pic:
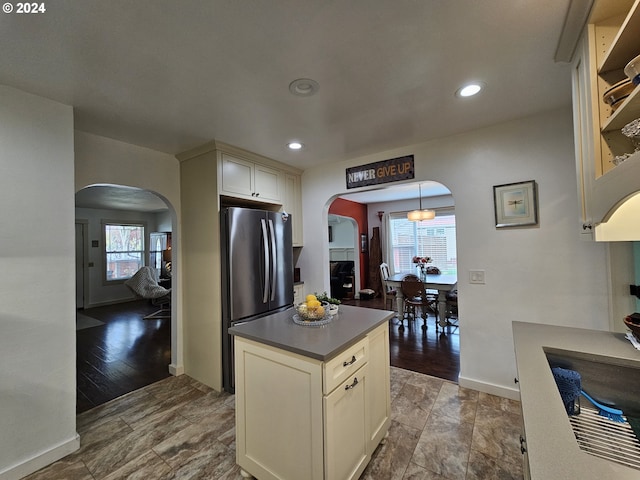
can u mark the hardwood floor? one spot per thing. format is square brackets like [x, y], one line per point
[123, 355]
[128, 353]
[431, 353]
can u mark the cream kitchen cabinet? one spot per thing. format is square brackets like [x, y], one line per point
[610, 40]
[246, 179]
[292, 204]
[302, 417]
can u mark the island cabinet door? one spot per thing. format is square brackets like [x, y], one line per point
[379, 386]
[278, 413]
[347, 428]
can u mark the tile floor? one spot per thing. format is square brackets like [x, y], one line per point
[178, 428]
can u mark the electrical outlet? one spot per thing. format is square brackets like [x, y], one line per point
[476, 276]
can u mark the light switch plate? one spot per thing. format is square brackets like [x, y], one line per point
[476, 276]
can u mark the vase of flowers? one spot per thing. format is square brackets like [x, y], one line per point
[421, 265]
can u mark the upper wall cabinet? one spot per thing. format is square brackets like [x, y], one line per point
[247, 176]
[292, 204]
[608, 166]
[243, 178]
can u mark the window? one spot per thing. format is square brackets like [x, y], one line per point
[124, 250]
[428, 238]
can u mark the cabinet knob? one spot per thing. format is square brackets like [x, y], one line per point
[257, 194]
[516, 381]
[351, 362]
[353, 385]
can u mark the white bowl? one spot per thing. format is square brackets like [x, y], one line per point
[632, 70]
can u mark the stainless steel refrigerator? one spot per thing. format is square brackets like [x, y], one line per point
[257, 272]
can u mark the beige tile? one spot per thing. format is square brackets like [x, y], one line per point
[158, 405]
[391, 458]
[456, 402]
[499, 403]
[483, 467]
[63, 469]
[101, 435]
[210, 463]
[413, 403]
[444, 446]
[178, 448]
[120, 452]
[416, 472]
[178, 428]
[203, 406]
[399, 377]
[497, 428]
[107, 411]
[145, 467]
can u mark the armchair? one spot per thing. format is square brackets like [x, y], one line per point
[143, 284]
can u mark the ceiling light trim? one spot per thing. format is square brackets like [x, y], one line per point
[470, 89]
[304, 87]
[295, 145]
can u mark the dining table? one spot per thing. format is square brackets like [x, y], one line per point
[443, 283]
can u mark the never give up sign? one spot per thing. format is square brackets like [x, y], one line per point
[385, 171]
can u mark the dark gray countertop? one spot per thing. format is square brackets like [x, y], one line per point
[321, 343]
[551, 446]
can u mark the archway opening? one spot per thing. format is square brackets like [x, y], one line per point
[436, 349]
[120, 229]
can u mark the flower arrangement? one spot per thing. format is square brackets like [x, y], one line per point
[421, 264]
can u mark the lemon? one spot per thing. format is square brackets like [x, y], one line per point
[310, 298]
[313, 304]
[320, 312]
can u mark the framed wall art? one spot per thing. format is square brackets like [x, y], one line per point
[516, 204]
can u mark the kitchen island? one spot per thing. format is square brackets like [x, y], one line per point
[312, 402]
[548, 443]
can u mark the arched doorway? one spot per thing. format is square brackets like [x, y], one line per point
[118, 350]
[435, 351]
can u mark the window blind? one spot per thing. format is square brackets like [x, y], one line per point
[427, 238]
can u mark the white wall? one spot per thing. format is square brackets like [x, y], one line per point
[343, 232]
[37, 283]
[100, 160]
[544, 274]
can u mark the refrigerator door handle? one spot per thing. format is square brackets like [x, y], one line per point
[274, 260]
[265, 246]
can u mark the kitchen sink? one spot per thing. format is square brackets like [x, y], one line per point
[611, 381]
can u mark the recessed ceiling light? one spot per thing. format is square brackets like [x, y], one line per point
[469, 90]
[304, 87]
[295, 145]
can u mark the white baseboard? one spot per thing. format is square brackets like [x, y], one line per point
[41, 460]
[492, 389]
[176, 370]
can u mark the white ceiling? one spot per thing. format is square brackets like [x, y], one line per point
[172, 75]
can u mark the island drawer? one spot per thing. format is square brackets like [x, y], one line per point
[343, 365]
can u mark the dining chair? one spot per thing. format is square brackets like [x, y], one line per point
[452, 308]
[416, 297]
[388, 293]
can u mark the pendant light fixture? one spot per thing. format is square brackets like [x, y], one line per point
[417, 215]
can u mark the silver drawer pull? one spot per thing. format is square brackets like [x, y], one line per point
[353, 360]
[353, 385]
